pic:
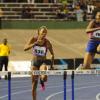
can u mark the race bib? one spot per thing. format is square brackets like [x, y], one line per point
[96, 34]
[39, 51]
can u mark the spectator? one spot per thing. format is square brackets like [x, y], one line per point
[79, 13]
[84, 15]
[63, 2]
[97, 8]
[90, 7]
[4, 53]
[83, 5]
[62, 12]
[27, 12]
[1, 14]
[30, 1]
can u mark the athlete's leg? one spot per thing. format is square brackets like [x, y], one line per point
[43, 78]
[90, 53]
[88, 60]
[34, 83]
[42, 68]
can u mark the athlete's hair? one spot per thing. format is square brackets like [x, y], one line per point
[41, 29]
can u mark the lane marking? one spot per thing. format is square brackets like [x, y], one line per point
[98, 96]
[66, 47]
[17, 87]
[24, 91]
[69, 90]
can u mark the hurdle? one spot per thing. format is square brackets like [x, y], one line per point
[65, 73]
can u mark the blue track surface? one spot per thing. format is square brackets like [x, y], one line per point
[86, 88]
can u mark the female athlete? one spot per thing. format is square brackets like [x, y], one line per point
[93, 46]
[39, 45]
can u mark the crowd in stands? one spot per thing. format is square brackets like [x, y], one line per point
[76, 11]
[70, 9]
[26, 12]
[31, 1]
[79, 10]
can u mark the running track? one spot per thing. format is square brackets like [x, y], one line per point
[86, 88]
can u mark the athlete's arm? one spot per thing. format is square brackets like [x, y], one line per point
[90, 27]
[29, 44]
[52, 53]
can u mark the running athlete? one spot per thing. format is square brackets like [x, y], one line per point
[39, 45]
[93, 46]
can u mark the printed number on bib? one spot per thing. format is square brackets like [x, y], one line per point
[96, 34]
[40, 51]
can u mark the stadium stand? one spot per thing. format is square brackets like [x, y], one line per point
[40, 11]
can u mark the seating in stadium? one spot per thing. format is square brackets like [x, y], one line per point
[41, 11]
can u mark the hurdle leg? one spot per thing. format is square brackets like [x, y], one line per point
[64, 78]
[72, 78]
[9, 85]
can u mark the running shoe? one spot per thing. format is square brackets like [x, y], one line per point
[80, 67]
[42, 84]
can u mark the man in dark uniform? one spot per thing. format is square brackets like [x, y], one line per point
[4, 55]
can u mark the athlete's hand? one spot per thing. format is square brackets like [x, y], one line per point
[98, 49]
[52, 62]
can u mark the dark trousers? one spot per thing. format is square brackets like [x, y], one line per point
[4, 63]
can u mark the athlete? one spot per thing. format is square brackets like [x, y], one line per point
[39, 44]
[93, 46]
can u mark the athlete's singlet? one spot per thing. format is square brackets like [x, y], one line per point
[40, 50]
[96, 33]
[94, 39]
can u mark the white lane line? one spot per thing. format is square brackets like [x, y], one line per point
[98, 96]
[25, 86]
[23, 80]
[16, 87]
[69, 90]
[28, 91]
[66, 47]
[15, 93]
[6, 86]
[20, 92]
